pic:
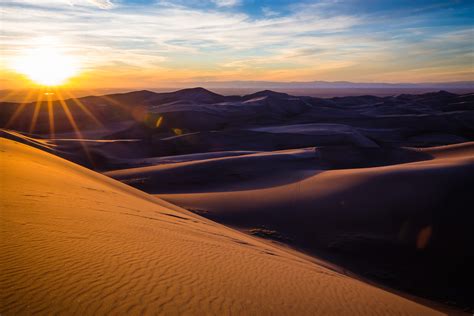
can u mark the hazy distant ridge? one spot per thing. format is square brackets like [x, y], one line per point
[325, 84]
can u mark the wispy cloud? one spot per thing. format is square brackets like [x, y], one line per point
[226, 3]
[57, 4]
[269, 12]
[103, 4]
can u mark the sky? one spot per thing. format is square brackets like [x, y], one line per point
[153, 43]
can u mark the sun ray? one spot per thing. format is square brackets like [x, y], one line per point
[73, 123]
[83, 108]
[8, 95]
[19, 109]
[39, 101]
[50, 115]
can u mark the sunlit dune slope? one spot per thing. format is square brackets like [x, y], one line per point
[75, 242]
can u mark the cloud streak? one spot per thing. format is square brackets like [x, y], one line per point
[103, 4]
[226, 3]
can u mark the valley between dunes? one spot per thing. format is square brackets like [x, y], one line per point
[76, 242]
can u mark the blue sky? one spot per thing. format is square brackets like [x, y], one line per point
[150, 42]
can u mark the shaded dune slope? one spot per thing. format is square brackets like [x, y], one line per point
[73, 241]
[401, 217]
[256, 169]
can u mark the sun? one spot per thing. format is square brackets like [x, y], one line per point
[46, 64]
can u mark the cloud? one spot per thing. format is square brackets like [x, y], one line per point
[103, 4]
[57, 4]
[226, 3]
[268, 12]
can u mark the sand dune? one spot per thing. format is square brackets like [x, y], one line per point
[257, 169]
[76, 242]
[338, 178]
[362, 208]
[141, 127]
[423, 120]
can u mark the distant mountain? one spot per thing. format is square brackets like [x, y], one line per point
[327, 85]
[145, 97]
[311, 88]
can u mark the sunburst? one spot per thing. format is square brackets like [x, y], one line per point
[46, 63]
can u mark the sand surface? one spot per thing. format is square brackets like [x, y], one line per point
[76, 242]
[397, 216]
